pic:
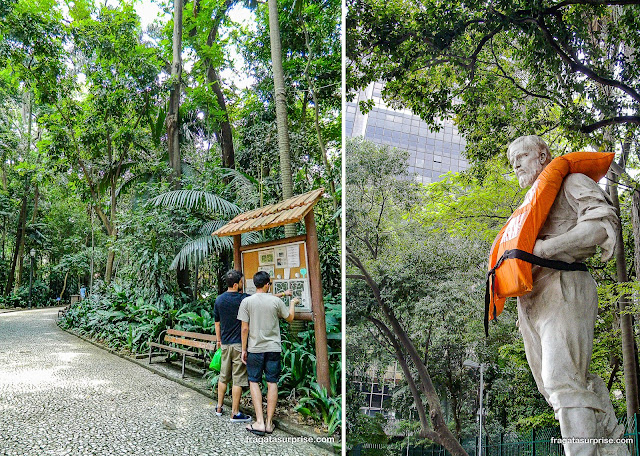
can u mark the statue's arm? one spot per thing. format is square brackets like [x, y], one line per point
[584, 235]
[597, 224]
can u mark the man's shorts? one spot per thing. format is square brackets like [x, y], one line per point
[268, 362]
[232, 366]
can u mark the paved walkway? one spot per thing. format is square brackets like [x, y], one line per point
[62, 396]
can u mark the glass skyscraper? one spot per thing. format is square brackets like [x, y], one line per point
[431, 154]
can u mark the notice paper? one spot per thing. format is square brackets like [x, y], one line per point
[293, 256]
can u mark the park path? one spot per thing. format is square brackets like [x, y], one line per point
[60, 395]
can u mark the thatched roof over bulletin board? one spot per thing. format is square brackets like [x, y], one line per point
[286, 212]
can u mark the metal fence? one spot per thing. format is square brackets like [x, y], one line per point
[538, 442]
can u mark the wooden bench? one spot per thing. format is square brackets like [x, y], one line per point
[181, 339]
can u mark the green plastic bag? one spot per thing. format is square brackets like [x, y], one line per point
[216, 361]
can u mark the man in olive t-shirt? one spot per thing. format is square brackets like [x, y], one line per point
[261, 345]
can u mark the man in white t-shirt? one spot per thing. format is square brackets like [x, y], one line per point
[261, 346]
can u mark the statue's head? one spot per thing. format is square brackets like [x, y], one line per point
[528, 156]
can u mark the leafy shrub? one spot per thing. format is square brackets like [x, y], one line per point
[298, 378]
[125, 319]
[319, 405]
[39, 296]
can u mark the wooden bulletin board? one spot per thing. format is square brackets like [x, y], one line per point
[286, 262]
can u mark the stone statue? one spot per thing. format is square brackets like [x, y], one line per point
[557, 317]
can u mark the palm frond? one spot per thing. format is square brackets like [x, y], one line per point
[244, 185]
[195, 199]
[200, 248]
[239, 175]
[252, 237]
[211, 226]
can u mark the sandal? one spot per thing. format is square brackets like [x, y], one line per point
[271, 431]
[254, 431]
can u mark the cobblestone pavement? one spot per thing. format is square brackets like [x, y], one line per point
[62, 396]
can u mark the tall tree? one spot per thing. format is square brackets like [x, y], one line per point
[173, 123]
[280, 97]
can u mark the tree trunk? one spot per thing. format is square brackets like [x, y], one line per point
[4, 236]
[3, 168]
[281, 109]
[109, 270]
[111, 228]
[64, 285]
[173, 124]
[213, 78]
[228, 153]
[19, 233]
[20, 266]
[173, 120]
[20, 258]
[626, 321]
[635, 221]
[36, 199]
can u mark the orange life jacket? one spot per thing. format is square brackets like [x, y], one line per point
[511, 257]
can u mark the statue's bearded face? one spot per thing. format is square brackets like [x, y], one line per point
[528, 163]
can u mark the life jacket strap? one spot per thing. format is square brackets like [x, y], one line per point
[529, 258]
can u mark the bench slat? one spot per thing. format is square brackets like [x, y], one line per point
[190, 343]
[170, 348]
[193, 335]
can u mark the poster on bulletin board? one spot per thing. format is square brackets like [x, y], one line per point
[286, 264]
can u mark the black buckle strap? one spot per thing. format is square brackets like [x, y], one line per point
[529, 258]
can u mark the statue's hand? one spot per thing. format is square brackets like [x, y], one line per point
[539, 249]
[546, 249]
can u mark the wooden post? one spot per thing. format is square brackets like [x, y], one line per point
[237, 255]
[317, 303]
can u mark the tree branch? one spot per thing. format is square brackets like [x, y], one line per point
[611, 121]
[555, 8]
[356, 276]
[426, 384]
[426, 430]
[576, 66]
[515, 83]
[471, 66]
